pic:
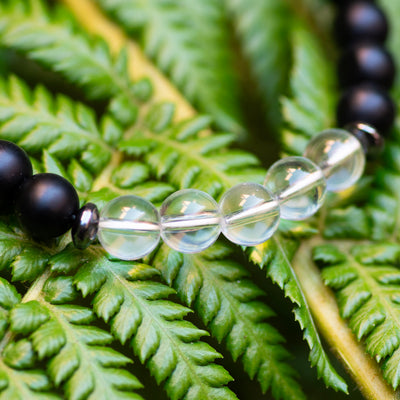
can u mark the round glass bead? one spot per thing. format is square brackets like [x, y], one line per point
[250, 214]
[299, 185]
[340, 156]
[129, 227]
[190, 221]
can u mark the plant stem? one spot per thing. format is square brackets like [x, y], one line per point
[92, 19]
[362, 368]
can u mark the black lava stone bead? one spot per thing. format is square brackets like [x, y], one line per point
[15, 167]
[46, 205]
[366, 63]
[366, 103]
[361, 21]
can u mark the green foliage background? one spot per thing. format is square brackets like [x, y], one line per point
[261, 76]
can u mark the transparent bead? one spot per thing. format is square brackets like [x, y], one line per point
[190, 221]
[340, 156]
[299, 185]
[129, 227]
[250, 214]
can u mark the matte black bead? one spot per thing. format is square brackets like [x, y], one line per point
[85, 227]
[361, 21]
[366, 63]
[46, 205]
[15, 166]
[369, 104]
[370, 139]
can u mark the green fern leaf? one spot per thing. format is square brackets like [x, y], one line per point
[230, 305]
[22, 385]
[170, 32]
[78, 358]
[311, 107]
[275, 256]
[51, 39]
[25, 257]
[67, 129]
[189, 159]
[138, 310]
[262, 27]
[367, 286]
[9, 297]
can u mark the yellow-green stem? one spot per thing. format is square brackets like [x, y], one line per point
[363, 369]
[92, 19]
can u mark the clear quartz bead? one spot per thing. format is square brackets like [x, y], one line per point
[250, 214]
[299, 186]
[190, 221]
[129, 227]
[340, 156]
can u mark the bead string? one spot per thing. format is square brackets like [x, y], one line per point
[130, 227]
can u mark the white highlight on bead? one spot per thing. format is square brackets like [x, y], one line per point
[250, 214]
[129, 227]
[190, 221]
[299, 185]
[340, 156]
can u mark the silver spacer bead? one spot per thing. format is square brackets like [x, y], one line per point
[86, 225]
[370, 139]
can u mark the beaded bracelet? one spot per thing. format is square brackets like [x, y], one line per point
[189, 221]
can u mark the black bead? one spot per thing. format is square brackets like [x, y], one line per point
[370, 139]
[85, 227]
[15, 167]
[366, 63]
[361, 21]
[369, 104]
[46, 205]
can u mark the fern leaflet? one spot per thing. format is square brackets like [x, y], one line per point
[229, 304]
[367, 285]
[262, 28]
[137, 309]
[170, 32]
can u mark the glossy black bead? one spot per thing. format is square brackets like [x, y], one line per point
[15, 166]
[46, 205]
[370, 139]
[369, 104]
[366, 62]
[361, 21]
[85, 227]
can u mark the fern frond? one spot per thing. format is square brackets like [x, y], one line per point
[367, 285]
[9, 297]
[385, 195]
[392, 12]
[26, 258]
[138, 311]
[311, 74]
[24, 384]
[202, 69]
[51, 39]
[275, 255]
[66, 129]
[78, 357]
[230, 305]
[189, 159]
[262, 28]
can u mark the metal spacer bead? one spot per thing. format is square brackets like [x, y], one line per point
[370, 139]
[86, 225]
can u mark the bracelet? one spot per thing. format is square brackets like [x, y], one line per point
[189, 220]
